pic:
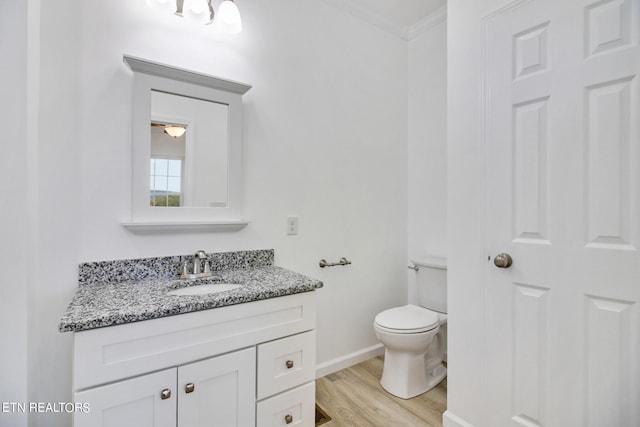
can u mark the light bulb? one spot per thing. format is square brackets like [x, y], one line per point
[197, 11]
[228, 18]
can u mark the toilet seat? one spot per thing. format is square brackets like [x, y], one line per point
[408, 319]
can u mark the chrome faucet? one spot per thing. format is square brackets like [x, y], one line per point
[199, 270]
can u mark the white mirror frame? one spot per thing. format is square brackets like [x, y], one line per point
[150, 76]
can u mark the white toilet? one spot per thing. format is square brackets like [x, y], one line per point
[414, 336]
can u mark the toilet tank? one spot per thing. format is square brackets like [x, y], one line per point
[431, 282]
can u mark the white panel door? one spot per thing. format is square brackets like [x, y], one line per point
[220, 391]
[146, 401]
[561, 119]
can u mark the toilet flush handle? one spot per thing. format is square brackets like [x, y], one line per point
[503, 260]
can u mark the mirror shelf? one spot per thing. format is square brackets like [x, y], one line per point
[179, 227]
[197, 184]
[170, 72]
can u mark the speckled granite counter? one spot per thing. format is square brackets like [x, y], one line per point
[119, 292]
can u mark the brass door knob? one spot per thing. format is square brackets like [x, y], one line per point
[289, 364]
[189, 388]
[288, 419]
[503, 260]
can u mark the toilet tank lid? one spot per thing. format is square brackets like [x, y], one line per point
[431, 262]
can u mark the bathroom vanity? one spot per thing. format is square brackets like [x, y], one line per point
[242, 357]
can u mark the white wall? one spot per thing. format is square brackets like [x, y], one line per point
[16, 221]
[427, 146]
[324, 136]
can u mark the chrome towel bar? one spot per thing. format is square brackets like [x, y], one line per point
[343, 261]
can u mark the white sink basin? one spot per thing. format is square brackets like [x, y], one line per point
[212, 288]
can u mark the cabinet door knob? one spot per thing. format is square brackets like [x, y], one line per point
[289, 364]
[165, 394]
[288, 419]
[189, 388]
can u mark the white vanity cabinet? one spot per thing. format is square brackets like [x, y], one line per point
[219, 388]
[242, 365]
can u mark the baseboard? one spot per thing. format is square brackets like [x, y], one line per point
[450, 420]
[342, 362]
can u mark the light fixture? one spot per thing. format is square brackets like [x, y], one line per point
[229, 17]
[197, 11]
[174, 130]
[227, 20]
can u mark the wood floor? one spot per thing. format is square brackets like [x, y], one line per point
[354, 397]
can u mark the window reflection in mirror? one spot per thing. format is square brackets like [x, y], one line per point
[188, 168]
[165, 181]
[168, 141]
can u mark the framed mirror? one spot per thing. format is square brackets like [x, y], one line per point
[187, 149]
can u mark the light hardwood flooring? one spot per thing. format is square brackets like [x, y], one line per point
[354, 397]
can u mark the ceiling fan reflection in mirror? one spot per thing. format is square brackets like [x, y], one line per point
[173, 130]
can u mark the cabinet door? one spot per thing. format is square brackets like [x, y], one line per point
[135, 402]
[219, 391]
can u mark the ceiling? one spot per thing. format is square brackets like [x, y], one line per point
[403, 18]
[403, 13]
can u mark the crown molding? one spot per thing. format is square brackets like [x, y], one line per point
[366, 14]
[428, 22]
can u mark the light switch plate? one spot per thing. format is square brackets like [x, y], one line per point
[292, 225]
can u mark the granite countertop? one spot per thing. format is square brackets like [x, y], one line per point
[97, 304]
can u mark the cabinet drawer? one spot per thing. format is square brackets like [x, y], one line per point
[286, 363]
[292, 408]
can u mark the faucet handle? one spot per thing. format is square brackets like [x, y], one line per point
[207, 266]
[185, 271]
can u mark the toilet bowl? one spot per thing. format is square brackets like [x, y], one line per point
[414, 336]
[413, 350]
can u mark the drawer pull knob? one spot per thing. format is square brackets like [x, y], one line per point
[165, 394]
[289, 364]
[189, 388]
[288, 419]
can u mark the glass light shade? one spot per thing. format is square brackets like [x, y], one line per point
[163, 6]
[197, 11]
[175, 131]
[228, 18]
